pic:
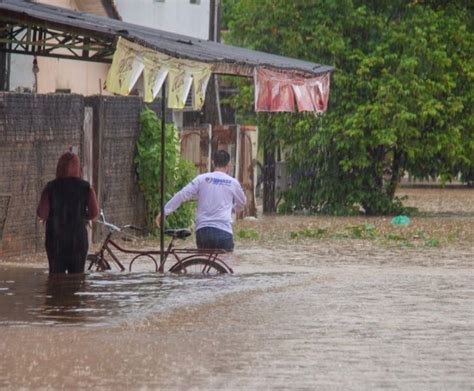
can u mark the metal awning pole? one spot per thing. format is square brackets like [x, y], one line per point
[162, 177]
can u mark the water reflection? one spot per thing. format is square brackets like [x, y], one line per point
[62, 298]
[33, 297]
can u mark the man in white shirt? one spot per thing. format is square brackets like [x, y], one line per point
[218, 194]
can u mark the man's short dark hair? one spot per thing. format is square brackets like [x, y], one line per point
[221, 158]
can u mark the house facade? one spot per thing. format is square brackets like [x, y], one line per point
[187, 17]
[195, 18]
[45, 75]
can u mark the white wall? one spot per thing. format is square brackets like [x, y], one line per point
[21, 72]
[80, 77]
[177, 16]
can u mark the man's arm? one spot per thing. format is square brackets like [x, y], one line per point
[239, 198]
[185, 194]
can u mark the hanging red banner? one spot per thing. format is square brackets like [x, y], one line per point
[278, 92]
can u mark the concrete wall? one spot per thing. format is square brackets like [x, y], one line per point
[80, 77]
[177, 16]
[21, 72]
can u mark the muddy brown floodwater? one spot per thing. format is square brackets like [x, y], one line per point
[315, 303]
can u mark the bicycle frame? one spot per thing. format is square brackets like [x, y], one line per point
[180, 256]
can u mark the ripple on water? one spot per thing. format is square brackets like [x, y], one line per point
[33, 297]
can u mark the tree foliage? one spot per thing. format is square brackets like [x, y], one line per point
[178, 172]
[401, 96]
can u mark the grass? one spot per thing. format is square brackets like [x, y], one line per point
[368, 231]
[309, 233]
[301, 229]
[247, 234]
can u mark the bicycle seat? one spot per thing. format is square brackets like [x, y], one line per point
[181, 233]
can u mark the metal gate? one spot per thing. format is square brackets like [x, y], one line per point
[198, 145]
[195, 147]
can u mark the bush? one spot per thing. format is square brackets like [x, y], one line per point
[178, 172]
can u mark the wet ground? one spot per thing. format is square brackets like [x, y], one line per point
[315, 303]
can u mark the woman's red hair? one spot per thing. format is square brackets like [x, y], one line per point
[68, 166]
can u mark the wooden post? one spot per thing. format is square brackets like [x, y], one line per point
[87, 154]
[269, 180]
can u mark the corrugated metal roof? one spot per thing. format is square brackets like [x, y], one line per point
[227, 59]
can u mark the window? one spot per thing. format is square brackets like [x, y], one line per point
[159, 1]
[197, 2]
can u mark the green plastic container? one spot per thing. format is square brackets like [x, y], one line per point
[401, 220]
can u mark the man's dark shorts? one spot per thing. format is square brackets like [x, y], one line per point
[214, 238]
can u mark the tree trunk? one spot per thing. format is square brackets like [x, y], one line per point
[269, 180]
[396, 171]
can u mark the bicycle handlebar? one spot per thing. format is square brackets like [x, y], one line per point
[110, 226]
[139, 229]
[113, 227]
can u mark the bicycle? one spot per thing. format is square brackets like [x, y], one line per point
[186, 260]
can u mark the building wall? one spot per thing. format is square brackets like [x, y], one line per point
[21, 72]
[177, 16]
[71, 4]
[80, 77]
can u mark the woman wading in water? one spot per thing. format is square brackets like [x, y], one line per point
[66, 204]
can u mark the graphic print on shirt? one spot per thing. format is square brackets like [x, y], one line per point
[218, 181]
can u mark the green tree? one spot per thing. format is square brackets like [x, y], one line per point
[401, 97]
[178, 172]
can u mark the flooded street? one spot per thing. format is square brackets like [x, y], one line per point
[346, 323]
[300, 313]
[32, 297]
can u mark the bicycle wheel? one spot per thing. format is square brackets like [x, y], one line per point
[92, 259]
[198, 266]
[145, 259]
[100, 263]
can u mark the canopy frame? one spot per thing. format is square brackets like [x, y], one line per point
[42, 39]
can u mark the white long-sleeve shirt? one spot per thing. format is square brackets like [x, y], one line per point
[218, 193]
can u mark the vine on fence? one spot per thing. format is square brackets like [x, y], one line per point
[178, 171]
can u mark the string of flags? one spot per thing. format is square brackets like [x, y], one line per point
[131, 60]
[274, 91]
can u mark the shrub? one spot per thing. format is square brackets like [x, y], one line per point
[178, 172]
